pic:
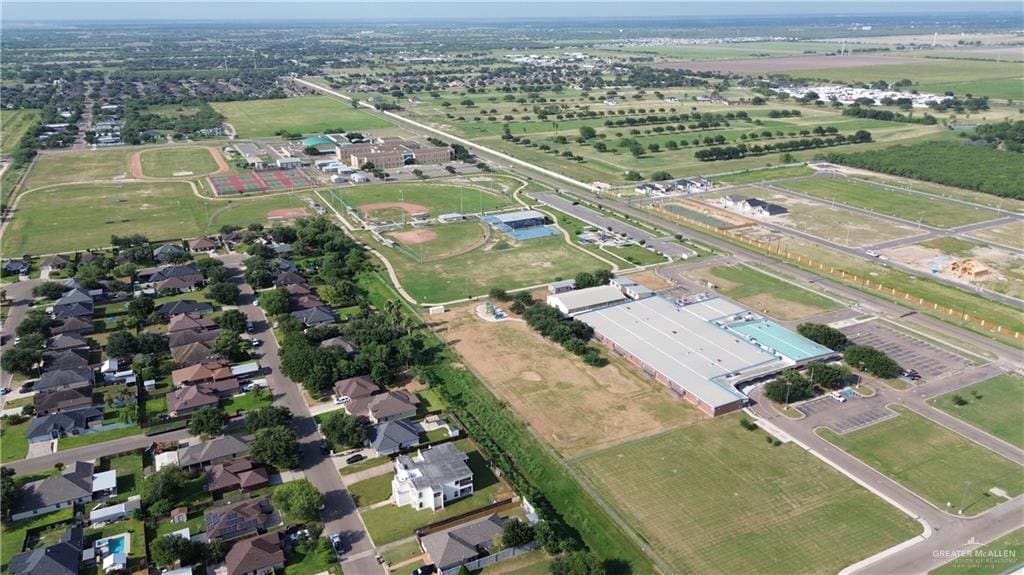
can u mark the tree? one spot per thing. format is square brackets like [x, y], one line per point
[789, 387]
[272, 416]
[10, 491]
[49, 290]
[122, 344]
[224, 293]
[162, 490]
[216, 549]
[821, 334]
[274, 302]
[827, 376]
[232, 320]
[577, 563]
[171, 550]
[499, 294]
[229, 345]
[588, 132]
[299, 501]
[36, 321]
[585, 280]
[515, 533]
[276, 447]
[140, 308]
[21, 359]
[661, 176]
[340, 428]
[871, 360]
[207, 422]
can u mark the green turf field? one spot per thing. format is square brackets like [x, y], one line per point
[77, 217]
[450, 239]
[910, 207]
[436, 198]
[305, 115]
[13, 125]
[994, 405]
[766, 294]
[933, 462]
[716, 498]
[1004, 555]
[752, 176]
[73, 166]
[165, 162]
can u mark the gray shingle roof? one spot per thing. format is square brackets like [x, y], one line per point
[314, 316]
[58, 559]
[58, 378]
[455, 546]
[224, 446]
[62, 423]
[392, 436]
[74, 483]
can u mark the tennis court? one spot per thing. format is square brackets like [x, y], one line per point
[270, 180]
[533, 233]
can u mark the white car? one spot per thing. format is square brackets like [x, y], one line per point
[341, 399]
[837, 396]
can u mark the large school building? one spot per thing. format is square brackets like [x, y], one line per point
[702, 350]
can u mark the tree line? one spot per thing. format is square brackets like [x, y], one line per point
[743, 150]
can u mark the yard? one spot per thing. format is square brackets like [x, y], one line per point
[391, 523]
[948, 470]
[994, 405]
[129, 473]
[743, 505]
[75, 441]
[12, 535]
[363, 465]
[370, 491]
[322, 559]
[15, 444]
[187, 161]
[137, 529]
[305, 115]
[249, 401]
[766, 294]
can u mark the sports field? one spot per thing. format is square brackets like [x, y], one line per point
[435, 242]
[932, 461]
[1004, 555]
[994, 405]
[716, 498]
[13, 125]
[305, 115]
[909, 207]
[765, 294]
[73, 166]
[165, 163]
[436, 198]
[94, 212]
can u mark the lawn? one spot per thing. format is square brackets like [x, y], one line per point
[909, 207]
[12, 535]
[436, 198]
[430, 400]
[372, 490]
[137, 545]
[391, 523]
[74, 441]
[980, 78]
[362, 465]
[159, 210]
[1004, 555]
[751, 176]
[765, 294]
[166, 162]
[15, 444]
[196, 524]
[636, 255]
[305, 115]
[744, 505]
[248, 401]
[13, 125]
[74, 166]
[402, 552]
[450, 239]
[129, 474]
[532, 563]
[994, 405]
[937, 464]
[321, 560]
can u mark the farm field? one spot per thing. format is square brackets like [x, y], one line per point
[765, 294]
[909, 207]
[75, 167]
[159, 210]
[13, 125]
[574, 407]
[739, 500]
[726, 51]
[437, 199]
[305, 114]
[165, 163]
[1011, 234]
[932, 461]
[993, 405]
[1004, 555]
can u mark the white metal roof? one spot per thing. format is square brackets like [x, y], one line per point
[588, 297]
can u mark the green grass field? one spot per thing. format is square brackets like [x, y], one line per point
[94, 212]
[436, 198]
[766, 294]
[1004, 555]
[165, 162]
[72, 166]
[13, 125]
[12, 535]
[743, 505]
[305, 114]
[1011, 235]
[751, 176]
[450, 239]
[15, 443]
[910, 207]
[996, 408]
[370, 491]
[933, 462]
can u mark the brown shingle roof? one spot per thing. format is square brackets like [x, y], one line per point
[254, 554]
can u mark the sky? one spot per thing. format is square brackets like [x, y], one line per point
[47, 10]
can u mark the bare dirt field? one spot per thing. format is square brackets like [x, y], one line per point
[411, 209]
[650, 280]
[759, 65]
[414, 237]
[1005, 272]
[287, 214]
[575, 408]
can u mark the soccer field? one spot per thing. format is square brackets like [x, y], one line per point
[305, 115]
[932, 461]
[165, 163]
[716, 498]
[994, 405]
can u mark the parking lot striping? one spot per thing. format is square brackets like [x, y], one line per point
[910, 352]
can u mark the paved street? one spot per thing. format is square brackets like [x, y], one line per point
[95, 451]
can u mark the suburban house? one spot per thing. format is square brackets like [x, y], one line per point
[201, 373]
[339, 341]
[217, 450]
[151, 276]
[54, 263]
[238, 474]
[431, 478]
[190, 399]
[166, 252]
[66, 341]
[66, 359]
[184, 337]
[304, 302]
[65, 379]
[16, 267]
[73, 326]
[74, 303]
[393, 436]
[62, 400]
[180, 284]
[453, 547]
[358, 387]
[61, 558]
[191, 354]
[365, 399]
[752, 206]
[238, 519]
[315, 316]
[58, 425]
[184, 306]
[186, 322]
[288, 278]
[77, 484]
[256, 556]
[202, 245]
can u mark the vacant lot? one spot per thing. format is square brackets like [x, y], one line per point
[980, 78]
[305, 115]
[739, 500]
[436, 198]
[937, 464]
[910, 207]
[84, 216]
[752, 176]
[764, 293]
[936, 256]
[165, 163]
[1011, 235]
[994, 405]
[572, 406]
[13, 125]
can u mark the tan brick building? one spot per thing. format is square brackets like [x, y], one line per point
[393, 152]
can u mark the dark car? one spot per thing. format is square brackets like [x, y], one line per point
[27, 387]
[425, 570]
[337, 543]
[324, 448]
[355, 458]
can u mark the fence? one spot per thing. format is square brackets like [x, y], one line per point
[492, 559]
[866, 283]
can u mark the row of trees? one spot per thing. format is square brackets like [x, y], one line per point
[743, 150]
[887, 115]
[570, 333]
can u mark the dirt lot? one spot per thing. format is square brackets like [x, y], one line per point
[764, 65]
[411, 209]
[1005, 270]
[414, 237]
[574, 407]
[287, 214]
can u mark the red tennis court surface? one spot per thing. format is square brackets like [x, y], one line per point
[271, 180]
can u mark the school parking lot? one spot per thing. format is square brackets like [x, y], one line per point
[910, 352]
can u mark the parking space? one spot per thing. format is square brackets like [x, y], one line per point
[910, 352]
[862, 418]
[854, 413]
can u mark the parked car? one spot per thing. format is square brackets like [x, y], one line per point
[425, 570]
[26, 387]
[324, 447]
[355, 458]
[250, 327]
[337, 543]
[341, 399]
[298, 535]
[5, 391]
[838, 396]
[256, 342]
